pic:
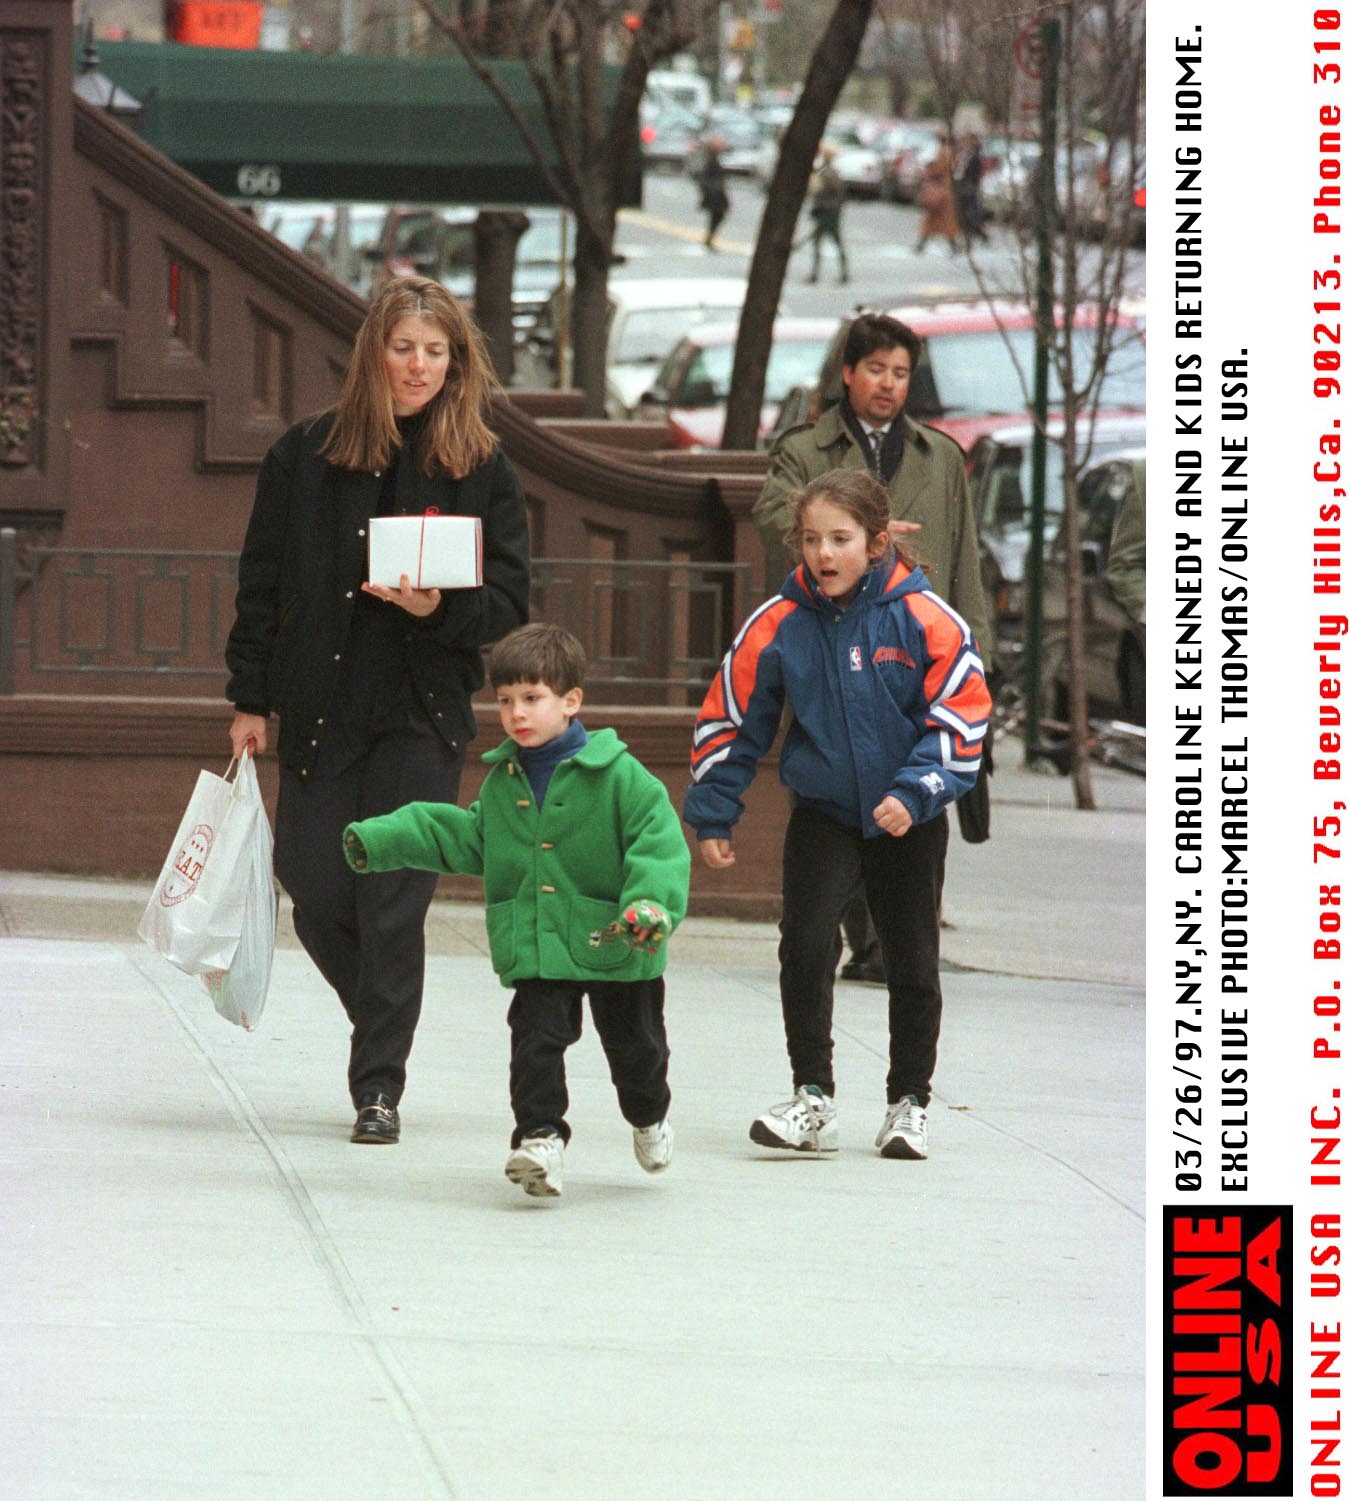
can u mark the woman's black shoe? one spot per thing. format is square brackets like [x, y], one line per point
[376, 1120]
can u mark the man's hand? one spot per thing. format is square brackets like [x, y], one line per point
[248, 732]
[418, 602]
[901, 529]
[892, 817]
[717, 853]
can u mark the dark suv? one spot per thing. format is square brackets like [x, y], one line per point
[1115, 647]
[1000, 491]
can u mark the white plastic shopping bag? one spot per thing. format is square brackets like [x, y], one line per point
[213, 909]
[240, 992]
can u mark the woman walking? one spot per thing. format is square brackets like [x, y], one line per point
[372, 684]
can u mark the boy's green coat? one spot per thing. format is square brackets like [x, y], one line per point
[607, 835]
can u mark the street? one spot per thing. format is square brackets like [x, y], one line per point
[665, 238]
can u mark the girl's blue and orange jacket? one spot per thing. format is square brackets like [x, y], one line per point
[887, 695]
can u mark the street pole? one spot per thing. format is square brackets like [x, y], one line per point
[1051, 41]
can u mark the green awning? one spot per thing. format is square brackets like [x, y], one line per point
[338, 127]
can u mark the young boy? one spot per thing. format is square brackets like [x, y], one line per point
[586, 875]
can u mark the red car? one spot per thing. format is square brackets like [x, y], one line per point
[969, 381]
[690, 391]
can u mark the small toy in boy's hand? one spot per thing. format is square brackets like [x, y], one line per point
[356, 855]
[643, 925]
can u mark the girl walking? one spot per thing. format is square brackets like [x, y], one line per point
[889, 709]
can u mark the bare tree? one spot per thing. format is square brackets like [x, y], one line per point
[830, 64]
[1101, 89]
[564, 44]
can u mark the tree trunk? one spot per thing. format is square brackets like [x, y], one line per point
[495, 235]
[590, 316]
[830, 65]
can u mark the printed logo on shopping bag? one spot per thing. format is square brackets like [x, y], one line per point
[188, 864]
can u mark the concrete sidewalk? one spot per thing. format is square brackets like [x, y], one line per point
[212, 1296]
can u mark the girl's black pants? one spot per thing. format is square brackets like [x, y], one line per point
[821, 863]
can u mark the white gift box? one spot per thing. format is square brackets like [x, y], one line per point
[436, 552]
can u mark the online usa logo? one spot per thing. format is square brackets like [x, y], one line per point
[1227, 1350]
[188, 864]
[893, 654]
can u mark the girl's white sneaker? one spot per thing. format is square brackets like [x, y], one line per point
[808, 1122]
[903, 1133]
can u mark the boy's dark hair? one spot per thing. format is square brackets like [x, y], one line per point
[538, 653]
[873, 331]
[856, 491]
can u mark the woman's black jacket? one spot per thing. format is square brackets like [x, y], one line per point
[303, 562]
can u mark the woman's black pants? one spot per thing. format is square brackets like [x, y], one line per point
[365, 932]
[821, 863]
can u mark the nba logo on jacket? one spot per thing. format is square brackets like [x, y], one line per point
[855, 658]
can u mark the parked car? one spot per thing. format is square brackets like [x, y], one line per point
[438, 242]
[1000, 491]
[647, 318]
[1115, 648]
[670, 136]
[646, 321]
[1111, 192]
[857, 159]
[690, 391]
[750, 150]
[418, 240]
[975, 369]
[1009, 185]
[688, 91]
[310, 228]
[773, 115]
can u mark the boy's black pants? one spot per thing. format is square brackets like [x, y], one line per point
[545, 1019]
[366, 933]
[821, 863]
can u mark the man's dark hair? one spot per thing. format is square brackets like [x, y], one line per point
[873, 331]
[538, 654]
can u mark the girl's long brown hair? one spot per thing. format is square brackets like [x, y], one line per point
[855, 491]
[455, 435]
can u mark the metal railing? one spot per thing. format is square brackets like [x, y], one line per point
[654, 631]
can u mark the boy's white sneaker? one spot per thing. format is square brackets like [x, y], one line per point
[808, 1122]
[653, 1146]
[536, 1165]
[903, 1133]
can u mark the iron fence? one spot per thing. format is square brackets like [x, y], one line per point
[654, 630]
